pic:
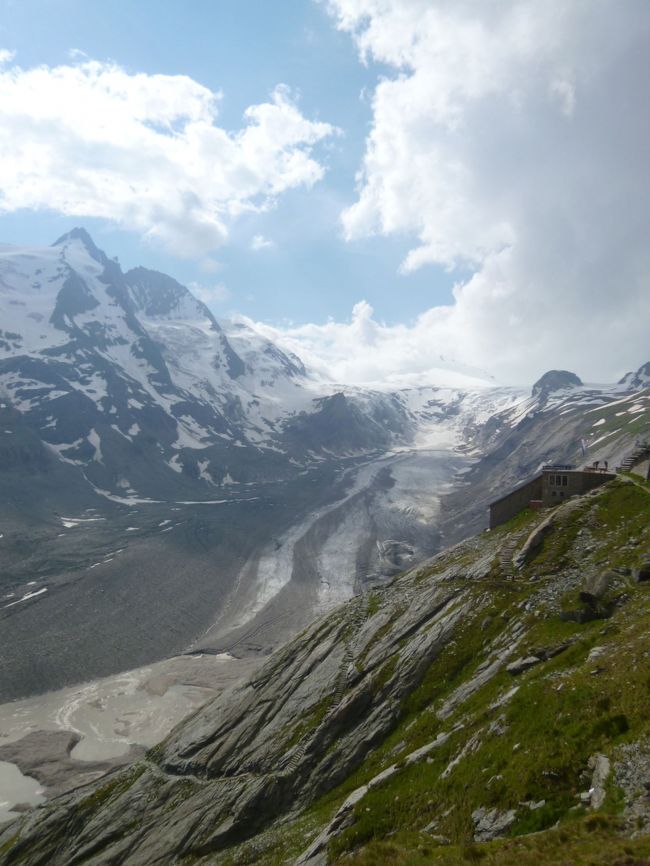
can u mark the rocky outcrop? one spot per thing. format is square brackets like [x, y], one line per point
[642, 573]
[601, 766]
[491, 823]
[596, 586]
[518, 666]
[555, 380]
[632, 775]
[344, 816]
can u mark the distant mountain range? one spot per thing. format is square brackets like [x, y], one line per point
[153, 461]
[131, 379]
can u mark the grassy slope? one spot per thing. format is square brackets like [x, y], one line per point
[565, 710]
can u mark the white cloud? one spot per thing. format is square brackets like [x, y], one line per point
[6, 56]
[145, 151]
[366, 352]
[259, 242]
[511, 138]
[215, 294]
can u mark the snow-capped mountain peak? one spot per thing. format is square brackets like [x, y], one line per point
[639, 379]
[81, 235]
[97, 361]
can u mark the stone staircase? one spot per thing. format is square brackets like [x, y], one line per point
[296, 757]
[358, 618]
[639, 453]
[507, 552]
[342, 678]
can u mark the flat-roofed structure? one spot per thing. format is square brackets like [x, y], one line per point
[508, 506]
[553, 485]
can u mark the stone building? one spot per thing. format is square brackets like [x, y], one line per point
[552, 486]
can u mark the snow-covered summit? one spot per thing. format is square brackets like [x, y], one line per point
[82, 236]
[555, 380]
[97, 361]
[638, 379]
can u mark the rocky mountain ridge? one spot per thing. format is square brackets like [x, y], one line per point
[470, 699]
[113, 371]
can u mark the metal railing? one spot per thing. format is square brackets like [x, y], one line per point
[558, 467]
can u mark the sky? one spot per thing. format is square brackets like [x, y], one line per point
[385, 187]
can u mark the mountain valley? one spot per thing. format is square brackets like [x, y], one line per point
[181, 497]
[173, 484]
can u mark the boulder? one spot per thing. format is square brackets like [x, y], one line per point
[534, 541]
[596, 652]
[642, 573]
[491, 823]
[595, 587]
[549, 652]
[440, 840]
[601, 768]
[522, 664]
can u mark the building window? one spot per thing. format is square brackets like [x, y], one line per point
[552, 480]
[565, 480]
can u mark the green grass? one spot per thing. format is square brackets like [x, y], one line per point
[374, 603]
[561, 714]
[557, 731]
[586, 842]
[526, 517]
[639, 480]
[116, 786]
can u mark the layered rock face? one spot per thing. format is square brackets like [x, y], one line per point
[459, 701]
